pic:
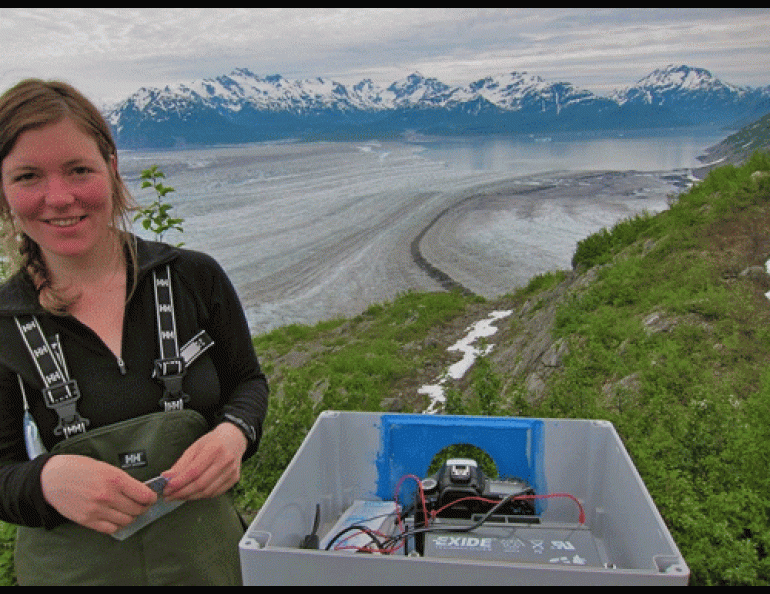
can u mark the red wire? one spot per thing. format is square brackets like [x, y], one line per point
[581, 514]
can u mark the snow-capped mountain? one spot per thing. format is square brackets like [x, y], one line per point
[243, 107]
[673, 82]
[682, 89]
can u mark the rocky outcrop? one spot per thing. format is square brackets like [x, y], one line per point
[527, 351]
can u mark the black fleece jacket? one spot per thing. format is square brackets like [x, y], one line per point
[226, 379]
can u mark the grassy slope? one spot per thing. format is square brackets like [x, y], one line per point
[672, 345]
[668, 338]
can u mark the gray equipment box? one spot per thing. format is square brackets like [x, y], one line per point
[349, 459]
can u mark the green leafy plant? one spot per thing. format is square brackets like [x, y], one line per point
[157, 216]
[7, 540]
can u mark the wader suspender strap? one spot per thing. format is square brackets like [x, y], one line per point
[60, 393]
[170, 368]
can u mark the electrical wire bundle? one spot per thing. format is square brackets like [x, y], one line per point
[388, 544]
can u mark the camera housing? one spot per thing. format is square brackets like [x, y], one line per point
[460, 489]
[460, 494]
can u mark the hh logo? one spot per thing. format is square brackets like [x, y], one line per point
[133, 460]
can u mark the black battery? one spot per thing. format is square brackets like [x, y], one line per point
[519, 544]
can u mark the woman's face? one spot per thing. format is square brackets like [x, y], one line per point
[59, 189]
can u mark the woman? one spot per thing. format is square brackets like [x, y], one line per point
[91, 287]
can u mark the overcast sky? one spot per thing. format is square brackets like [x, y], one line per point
[110, 53]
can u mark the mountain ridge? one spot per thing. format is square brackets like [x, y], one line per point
[244, 107]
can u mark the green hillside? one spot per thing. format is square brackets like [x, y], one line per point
[740, 145]
[662, 328]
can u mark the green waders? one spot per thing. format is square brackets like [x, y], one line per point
[195, 544]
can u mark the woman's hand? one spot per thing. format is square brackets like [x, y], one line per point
[94, 494]
[209, 467]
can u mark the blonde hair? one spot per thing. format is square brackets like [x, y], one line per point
[33, 104]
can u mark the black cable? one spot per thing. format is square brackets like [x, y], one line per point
[311, 540]
[395, 539]
[364, 529]
[426, 529]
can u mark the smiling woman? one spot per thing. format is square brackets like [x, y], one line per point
[59, 191]
[119, 415]
[61, 196]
